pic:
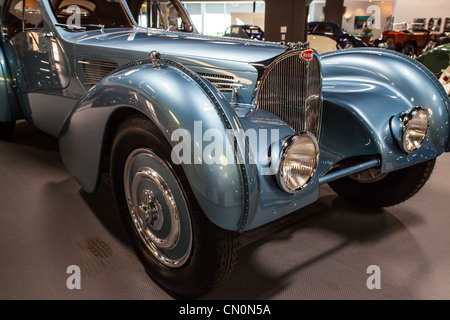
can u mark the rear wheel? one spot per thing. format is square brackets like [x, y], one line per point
[179, 247]
[371, 188]
[409, 49]
[7, 129]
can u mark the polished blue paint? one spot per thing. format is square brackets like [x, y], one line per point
[362, 90]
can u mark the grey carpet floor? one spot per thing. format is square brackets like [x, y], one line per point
[321, 252]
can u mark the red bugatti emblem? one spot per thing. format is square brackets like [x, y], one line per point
[307, 55]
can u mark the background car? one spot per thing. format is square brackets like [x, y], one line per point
[437, 59]
[332, 30]
[407, 42]
[322, 44]
[245, 32]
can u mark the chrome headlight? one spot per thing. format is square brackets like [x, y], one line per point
[299, 161]
[411, 129]
[415, 126]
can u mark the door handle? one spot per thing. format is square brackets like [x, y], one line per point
[48, 35]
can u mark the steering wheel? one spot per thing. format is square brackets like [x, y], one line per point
[90, 13]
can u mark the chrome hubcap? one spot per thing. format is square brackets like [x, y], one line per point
[157, 208]
[150, 210]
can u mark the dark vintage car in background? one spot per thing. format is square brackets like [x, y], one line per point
[131, 89]
[332, 30]
[438, 61]
[245, 32]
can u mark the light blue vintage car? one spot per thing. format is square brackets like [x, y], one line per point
[208, 137]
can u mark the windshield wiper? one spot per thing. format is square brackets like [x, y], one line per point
[86, 26]
[100, 26]
[71, 26]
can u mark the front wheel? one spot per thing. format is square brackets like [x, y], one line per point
[179, 247]
[371, 188]
[7, 129]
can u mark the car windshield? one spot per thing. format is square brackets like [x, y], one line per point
[91, 13]
[160, 14]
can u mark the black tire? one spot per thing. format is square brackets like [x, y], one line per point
[409, 49]
[394, 188]
[349, 45]
[214, 250]
[7, 129]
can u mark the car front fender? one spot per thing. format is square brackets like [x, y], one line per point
[174, 98]
[362, 90]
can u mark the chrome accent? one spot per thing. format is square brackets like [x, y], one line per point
[146, 212]
[48, 35]
[406, 121]
[156, 57]
[225, 84]
[95, 71]
[287, 143]
[291, 88]
[150, 210]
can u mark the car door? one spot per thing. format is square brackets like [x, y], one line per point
[38, 63]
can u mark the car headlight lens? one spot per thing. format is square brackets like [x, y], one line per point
[415, 128]
[299, 161]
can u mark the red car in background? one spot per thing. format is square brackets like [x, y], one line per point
[407, 42]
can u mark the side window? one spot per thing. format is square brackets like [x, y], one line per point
[311, 27]
[323, 28]
[22, 15]
[447, 25]
[163, 15]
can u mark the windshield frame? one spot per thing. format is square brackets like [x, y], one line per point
[51, 15]
[181, 10]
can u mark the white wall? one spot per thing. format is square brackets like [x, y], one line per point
[256, 18]
[359, 8]
[407, 10]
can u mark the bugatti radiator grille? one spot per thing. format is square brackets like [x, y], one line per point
[291, 88]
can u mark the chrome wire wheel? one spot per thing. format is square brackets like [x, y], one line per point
[157, 207]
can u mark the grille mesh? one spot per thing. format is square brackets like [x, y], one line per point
[291, 88]
[97, 70]
[222, 82]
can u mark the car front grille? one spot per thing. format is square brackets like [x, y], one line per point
[291, 88]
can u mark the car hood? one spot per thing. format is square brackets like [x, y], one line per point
[137, 43]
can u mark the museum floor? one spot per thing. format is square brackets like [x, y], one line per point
[322, 252]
